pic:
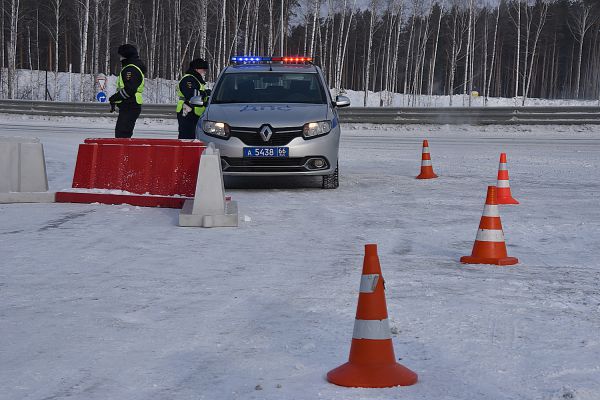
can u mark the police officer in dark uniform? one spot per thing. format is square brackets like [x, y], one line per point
[191, 84]
[130, 86]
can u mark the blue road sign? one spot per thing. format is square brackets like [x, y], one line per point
[101, 97]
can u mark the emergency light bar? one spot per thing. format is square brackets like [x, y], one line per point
[260, 59]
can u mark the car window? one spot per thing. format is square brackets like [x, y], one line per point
[269, 87]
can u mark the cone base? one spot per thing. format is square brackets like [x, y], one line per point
[372, 375]
[490, 261]
[427, 176]
[507, 200]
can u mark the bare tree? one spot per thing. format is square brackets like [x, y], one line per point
[126, 25]
[489, 82]
[543, 7]
[435, 50]
[83, 20]
[470, 40]
[457, 41]
[96, 42]
[518, 57]
[12, 46]
[579, 25]
[316, 15]
[341, 56]
[373, 9]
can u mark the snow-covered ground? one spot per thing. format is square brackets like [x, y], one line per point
[117, 302]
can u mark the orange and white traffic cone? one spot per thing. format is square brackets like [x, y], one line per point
[426, 167]
[504, 194]
[372, 362]
[489, 247]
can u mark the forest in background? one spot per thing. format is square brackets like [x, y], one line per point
[516, 48]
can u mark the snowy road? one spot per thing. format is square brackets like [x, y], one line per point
[117, 302]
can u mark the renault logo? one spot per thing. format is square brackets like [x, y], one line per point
[266, 133]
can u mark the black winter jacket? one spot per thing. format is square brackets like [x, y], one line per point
[131, 79]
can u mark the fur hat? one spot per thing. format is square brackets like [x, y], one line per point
[198, 63]
[128, 51]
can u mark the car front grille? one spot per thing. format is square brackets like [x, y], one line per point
[280, 136]
[265, 164]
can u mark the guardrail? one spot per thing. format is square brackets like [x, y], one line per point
[376, 115]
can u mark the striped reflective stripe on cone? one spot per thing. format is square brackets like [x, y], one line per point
[372, 329]
[372, 363]
[426, 166]
[489, 246]
[503, 185]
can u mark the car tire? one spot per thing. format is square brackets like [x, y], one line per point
[332, 181]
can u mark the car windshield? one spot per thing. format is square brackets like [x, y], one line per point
[269, 87]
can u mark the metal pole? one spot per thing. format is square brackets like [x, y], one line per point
[281, 49]
[70, 84]
[46, 94]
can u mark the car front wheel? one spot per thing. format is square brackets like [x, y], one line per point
[332, 181]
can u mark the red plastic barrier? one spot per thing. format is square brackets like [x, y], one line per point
[159, 167]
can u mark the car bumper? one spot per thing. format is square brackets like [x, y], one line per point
[302, 153]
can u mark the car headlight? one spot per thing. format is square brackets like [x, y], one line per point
[218, 129]
[313, 129]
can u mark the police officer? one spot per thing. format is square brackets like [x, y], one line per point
[191, 84]
[130, 86]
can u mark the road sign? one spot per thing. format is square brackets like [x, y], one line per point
[101, 97]
[101, 80]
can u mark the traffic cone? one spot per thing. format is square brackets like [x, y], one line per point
[426, 168]
[372, 362]
[489, 247]
[504, 194]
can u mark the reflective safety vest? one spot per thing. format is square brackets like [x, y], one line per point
[121, 84]
[197, 110]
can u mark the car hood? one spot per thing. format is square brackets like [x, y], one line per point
[276, 115]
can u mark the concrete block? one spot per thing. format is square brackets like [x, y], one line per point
[209, 208]
[23, 176]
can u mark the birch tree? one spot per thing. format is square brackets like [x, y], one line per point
[457, 41]
[341, 55]
[107, 43]
[316, 15]
[434, 56]
[12, 46]
[153, 37]
[489, 82]
[126, 25]
[203, 27]
[369, 50]
[469, 53]
[579, 25]
[518, 62]
[96, 40]
[543, 12]
[84, 19]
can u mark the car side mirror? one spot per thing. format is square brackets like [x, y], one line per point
[197, 101]
[342, 101]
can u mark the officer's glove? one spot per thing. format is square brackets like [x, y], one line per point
[113, 107]
[207, 92]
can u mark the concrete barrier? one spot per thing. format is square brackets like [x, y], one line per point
[23, 176]
[209, 208]
[140, 172]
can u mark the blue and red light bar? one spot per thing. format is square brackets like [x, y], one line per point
[249, 59]
[260, 59]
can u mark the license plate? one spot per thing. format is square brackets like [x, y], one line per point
[273, 152]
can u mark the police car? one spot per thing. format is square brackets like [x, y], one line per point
[274, 116]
